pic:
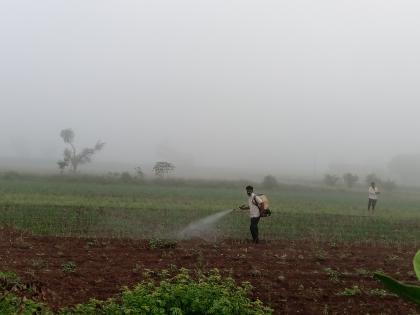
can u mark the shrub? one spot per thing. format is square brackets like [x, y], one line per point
[68, 267]
[355, 290]
[11, 304]
[8, 280]
[182, 294]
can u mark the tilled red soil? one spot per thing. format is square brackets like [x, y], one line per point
[290, 276]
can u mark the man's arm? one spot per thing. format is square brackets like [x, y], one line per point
[244, 207]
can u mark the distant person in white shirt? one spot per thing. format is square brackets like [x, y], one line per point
[373, 196]
[254, 212]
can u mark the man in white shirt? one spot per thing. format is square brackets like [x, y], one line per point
[254, 212]
[373, 193]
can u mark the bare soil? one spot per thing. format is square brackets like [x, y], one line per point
[293, 277]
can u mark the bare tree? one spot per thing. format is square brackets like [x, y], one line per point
[163, 168]
[71, 157]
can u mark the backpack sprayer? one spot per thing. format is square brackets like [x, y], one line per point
[263, 206]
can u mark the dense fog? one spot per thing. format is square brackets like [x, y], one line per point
[218, 88]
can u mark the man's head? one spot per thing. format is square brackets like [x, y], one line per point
[372, 184]
[249, 190]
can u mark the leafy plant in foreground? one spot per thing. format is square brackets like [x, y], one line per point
[179, 295]
[182, 294]
[406, 291]
[9, 280]
[11, 304]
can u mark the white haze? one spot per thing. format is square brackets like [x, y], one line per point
[279, 87]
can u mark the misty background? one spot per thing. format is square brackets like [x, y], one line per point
[219, 88]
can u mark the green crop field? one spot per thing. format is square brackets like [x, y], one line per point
[152, 209]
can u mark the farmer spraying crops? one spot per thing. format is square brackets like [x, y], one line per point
[257, 209]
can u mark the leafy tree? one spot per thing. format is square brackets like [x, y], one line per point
[139, 172]
[331, 180]
[71, 156]
[163, 168]
[350, 179]
[270, 182]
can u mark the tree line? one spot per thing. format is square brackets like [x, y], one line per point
[350, 180]
[73, 157]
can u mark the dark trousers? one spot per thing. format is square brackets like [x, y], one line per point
[372, 203]
[254, 228]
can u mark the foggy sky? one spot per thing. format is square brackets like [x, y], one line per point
[274, 85]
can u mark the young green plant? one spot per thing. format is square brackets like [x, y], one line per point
[406, 291]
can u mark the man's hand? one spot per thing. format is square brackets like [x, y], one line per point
[244, 207]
